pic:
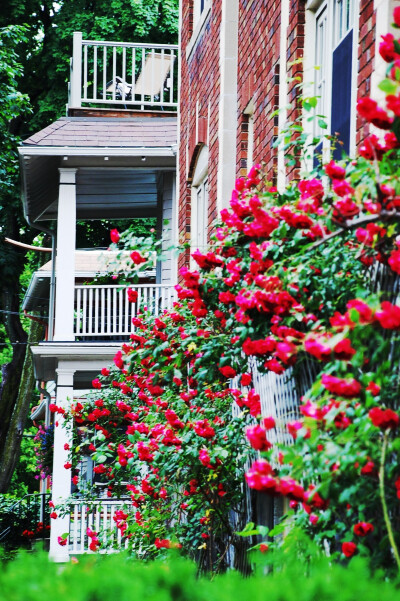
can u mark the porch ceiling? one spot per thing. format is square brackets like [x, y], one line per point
[117, 161]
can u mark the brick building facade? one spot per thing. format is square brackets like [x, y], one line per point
[241, 61]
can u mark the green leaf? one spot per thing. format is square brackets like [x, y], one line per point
[388, 86]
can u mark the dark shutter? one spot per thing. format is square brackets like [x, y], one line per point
[341, 93]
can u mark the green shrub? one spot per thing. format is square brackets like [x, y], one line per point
[31, 577]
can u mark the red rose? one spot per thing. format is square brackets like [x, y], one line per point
[386, 48]
[384, 418]
[257, 438]
[363, 528]
[114, 235]
[132, 295]
[348, 388]
[348, 549]
[227, 371]
[396, 16]
[137, 257]
[96, 383]
[389, 317]
[245, 379]
[334, 171]
[373, 388]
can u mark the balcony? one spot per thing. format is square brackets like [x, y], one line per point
[142, 77]
[104, 312]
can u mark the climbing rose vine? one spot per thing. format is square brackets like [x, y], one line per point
[300, 283]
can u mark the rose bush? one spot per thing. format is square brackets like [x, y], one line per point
[288, 284]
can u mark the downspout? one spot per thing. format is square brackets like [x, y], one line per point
[45, 393]
[51, 233]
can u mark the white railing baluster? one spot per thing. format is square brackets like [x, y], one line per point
[126, 312]
[114, 71]
[143, 64]
[94, 95]
[75, 530]
[84, 546]
[90, 311]
[108, 310]
[112, 523]
[102, 317]
[97, 521]
[162, 71]
[96, 310]
[171, 75]
[152, 76]
[104, 524]
[114, 313]
[133, 80]
[84, 310]
[123, 72]
[78, 327]
[85, 72]
[105, 73]
[120, 312]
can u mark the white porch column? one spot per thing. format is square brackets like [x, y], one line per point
[227, 121]
[61, 479]
[65, 265]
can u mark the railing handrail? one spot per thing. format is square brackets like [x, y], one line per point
[125, 286]
[131, 45]
[34, 494]
[125, 500]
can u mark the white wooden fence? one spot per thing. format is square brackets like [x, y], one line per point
[102, 311]
[100, 518]
[139, 76]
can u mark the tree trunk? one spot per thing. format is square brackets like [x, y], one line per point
[18, 382]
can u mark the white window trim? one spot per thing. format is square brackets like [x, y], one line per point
[199, 25]
[249, 111]
[313, 10]
[200, 178]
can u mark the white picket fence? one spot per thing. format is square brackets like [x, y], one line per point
[103, 311]
[99, 517]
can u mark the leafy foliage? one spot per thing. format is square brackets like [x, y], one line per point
[95, 577]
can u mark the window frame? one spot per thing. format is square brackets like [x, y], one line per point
[315, 10]
[199, 202]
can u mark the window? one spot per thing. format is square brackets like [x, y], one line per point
[201, 11]
[199, 7]
[334, 78]
[199, 213]
[249, 112]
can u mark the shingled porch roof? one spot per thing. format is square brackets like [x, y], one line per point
[107, 132]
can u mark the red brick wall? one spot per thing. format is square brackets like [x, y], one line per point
[258, 79]
[199, 103]
[259, 71]
[366, 58]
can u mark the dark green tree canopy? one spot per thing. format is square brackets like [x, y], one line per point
[35, 51]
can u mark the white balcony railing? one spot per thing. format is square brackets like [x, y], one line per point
[138, 76]
[104, 311]
[98, 517]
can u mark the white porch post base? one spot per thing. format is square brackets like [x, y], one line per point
[61, 481]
